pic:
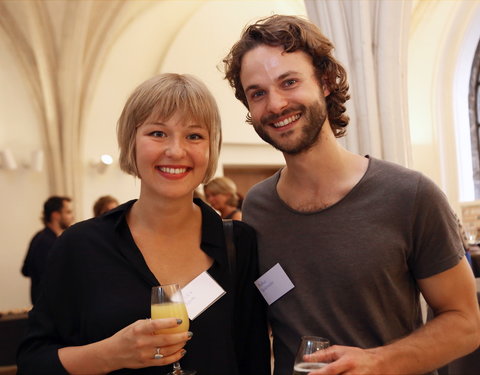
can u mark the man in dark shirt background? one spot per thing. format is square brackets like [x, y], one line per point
[57, 216]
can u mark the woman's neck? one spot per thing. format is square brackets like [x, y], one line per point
[163, 215]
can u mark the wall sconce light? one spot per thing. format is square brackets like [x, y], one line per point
[8, 160]
[36, 161]
[102, 165]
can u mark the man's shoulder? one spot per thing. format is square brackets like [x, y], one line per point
[43, 237]
[379, 165]
[407, 183]
[389, 174]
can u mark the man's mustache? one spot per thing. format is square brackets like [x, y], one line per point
[268, 119]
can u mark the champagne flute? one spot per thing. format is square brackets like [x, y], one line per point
[167, 302]
[309, 345]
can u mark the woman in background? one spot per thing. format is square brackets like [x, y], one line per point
[103, 204]
[92, 314]
[221, 194]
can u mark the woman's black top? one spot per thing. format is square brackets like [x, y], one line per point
[97, 282]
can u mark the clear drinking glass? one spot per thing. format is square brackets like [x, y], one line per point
[309, 345]
[167, 302]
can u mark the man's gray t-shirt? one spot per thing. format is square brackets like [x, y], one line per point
[354, 264]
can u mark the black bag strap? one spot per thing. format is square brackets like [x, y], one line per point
[231, 250]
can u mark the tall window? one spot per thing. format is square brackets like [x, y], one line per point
[474, 109]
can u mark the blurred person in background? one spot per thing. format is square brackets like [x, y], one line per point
[104, 204]
[221, 194]
[57, 216]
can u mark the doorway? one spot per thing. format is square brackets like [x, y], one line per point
[247, 176]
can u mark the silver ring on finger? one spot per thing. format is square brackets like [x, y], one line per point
[157, 355]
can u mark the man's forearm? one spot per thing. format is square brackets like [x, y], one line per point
[446, 337]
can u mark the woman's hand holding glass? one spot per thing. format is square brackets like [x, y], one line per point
[167, 301]
[134, 346]
[140, 345]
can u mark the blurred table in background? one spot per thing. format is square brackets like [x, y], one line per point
[13, 326]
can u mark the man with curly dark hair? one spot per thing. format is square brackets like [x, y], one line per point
[359, 238]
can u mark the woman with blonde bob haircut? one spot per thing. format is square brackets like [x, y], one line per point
[91, 318]
[164, 95]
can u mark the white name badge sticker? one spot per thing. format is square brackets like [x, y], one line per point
[200, 293]
[274, 283]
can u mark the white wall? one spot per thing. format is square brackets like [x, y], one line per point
[22, 191]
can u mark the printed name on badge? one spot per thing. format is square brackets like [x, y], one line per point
[274, 283]
[200, 293]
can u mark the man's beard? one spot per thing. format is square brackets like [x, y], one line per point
[314, 115]
[64, 224]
